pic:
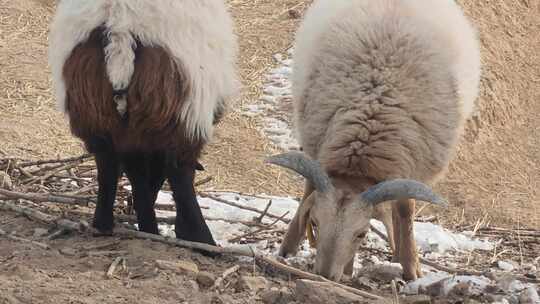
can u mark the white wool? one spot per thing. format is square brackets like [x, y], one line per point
[441, 16]
[197, 33]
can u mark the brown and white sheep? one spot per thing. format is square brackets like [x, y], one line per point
[381, 92]
[142, 83]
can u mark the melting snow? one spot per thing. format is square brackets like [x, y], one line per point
[429, 237]
[275, 106]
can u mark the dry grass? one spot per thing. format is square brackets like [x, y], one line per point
[496, 171]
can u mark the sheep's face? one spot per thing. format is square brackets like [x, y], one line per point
[339, 221]
[340, 217]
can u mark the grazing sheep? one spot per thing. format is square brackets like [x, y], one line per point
[142, 83]
[381, 92]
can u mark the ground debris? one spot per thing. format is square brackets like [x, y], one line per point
[179, 266]
[206, 279]
[277, 296]
[252, 283]
[314, 292]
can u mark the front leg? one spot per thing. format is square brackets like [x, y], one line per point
[408, 253]
[190, 224]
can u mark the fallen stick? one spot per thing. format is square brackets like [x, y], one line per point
[41, 198]
[107, 253]
[203, 181]
[395, 299]
[54, 161]
[238, 193]
[233, 204]
[165, 219]
[265, 211]
[238, 238]
[43, 217]
[226, 273]
[237, 251]
[113, 266]
[23, 240]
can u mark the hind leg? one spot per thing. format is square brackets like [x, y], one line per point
[108, 172]
[138, 174]
[156, 174]
[190, 224]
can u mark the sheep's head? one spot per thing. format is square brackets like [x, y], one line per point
[339, 218]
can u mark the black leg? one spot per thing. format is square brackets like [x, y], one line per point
[156, 171]
[108, 172]
[190, 224]
[138, 174]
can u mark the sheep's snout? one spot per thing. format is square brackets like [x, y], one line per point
[331, 271]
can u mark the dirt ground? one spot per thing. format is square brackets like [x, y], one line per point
[495, 176]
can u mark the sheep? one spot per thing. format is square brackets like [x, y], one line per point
[142, 84]
[381, 92]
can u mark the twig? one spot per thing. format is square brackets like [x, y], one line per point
[226, 273]
[164, 219]
[23, 240]
[54, 161]
[233, 204]
[39, 198]
[395, 300]
[171, 207]
[239, 193]
[45, 218]
[265, 211]
[113, 266]
[107, 253]
[203, 181]
[238, 238]
[57, 234]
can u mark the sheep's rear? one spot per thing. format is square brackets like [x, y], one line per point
[155, 97]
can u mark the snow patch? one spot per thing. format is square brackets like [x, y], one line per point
[434, 238]
[275, 106]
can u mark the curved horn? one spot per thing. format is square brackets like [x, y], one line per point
[308, 168]
[401, 189]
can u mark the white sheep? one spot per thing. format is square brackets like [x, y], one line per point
[381, 92]
[143, 82]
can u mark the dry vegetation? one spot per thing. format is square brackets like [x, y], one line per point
[495, 174]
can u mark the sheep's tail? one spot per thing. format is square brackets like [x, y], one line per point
[120, 63]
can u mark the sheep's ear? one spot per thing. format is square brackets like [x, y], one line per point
[297, 228]
[399, 189]
[305, 166]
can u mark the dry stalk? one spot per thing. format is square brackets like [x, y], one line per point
[251, 233]
[23, 240]
[265, 211]
[41, 198]
[233, 204]
[54, 161]
[112, 268]
[228, 272]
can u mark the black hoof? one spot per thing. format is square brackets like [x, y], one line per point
[102, 229]
[208, 253]
[100, 233]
